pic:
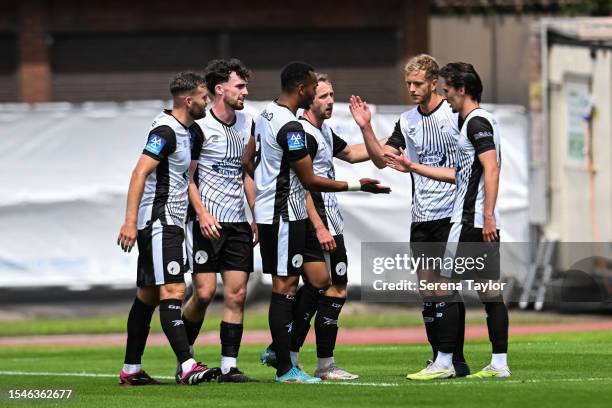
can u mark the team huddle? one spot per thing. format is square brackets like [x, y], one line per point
[186, 212]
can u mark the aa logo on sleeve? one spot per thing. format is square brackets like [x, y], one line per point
[155, 144]
[296, 140]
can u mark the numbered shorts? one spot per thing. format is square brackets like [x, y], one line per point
[337, 261]
[161, 255]
[282, 247]
[233, 251]
[472, 258]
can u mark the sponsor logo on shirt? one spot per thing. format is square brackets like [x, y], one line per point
[296, 140]
[155, 144]
[227, 168]
[433, 159]
[483, 134]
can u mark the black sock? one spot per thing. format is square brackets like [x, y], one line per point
[429, 315]
[280, 319]
[231, 336]
[458, 353]
[174, 328]
[497, 323]
[326, 324]
[138, 325]
[446, 322]
[305, 306]
[192, 329]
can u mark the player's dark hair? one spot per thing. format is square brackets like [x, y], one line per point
[185, 82]
[293, 74]
[218, 71]
[463, 75]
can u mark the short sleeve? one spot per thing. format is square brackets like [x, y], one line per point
[161, 143]
[396, 140]
[196, 140]
[338, 143]
[480, 133]
[292, 139]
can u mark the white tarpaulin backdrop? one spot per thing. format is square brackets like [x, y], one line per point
[66, 168]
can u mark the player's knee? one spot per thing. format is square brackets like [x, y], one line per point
[337, 290]
[492, 295]
[285, 286]
[172, 291]
[443, 293]
[235, 299]
[427, 294]
[149, 296]
[204, 295]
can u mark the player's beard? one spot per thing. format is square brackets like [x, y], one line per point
[197, 112]
[236, 104]
[306, 103]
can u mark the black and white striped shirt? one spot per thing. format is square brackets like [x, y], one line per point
[280, 139]
[165, 192]
[479, 133]
[429, 139]
[219, 174]
[323, 146]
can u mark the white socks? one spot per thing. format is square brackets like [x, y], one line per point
[131, 368]
[499, 360]
[325, 362]
[186, 366]
[444, 360]
[295, 358]
[227, 363]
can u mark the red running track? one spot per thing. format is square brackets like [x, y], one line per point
[412, 335]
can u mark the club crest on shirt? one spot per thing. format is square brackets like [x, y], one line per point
[155, 144]
[267, 115]
[296, 140]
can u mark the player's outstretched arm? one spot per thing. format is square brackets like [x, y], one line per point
[312, 182]
[358, 153]
[325, 238]
[401, 162]
[129, 230]
[363, 117]
[488, 160]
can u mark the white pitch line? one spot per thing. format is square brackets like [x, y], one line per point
[43, 373]
[505, 381]
[364, 384]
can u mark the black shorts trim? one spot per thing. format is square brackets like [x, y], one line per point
[466, 242]
[233, 251]
[161, 255]
[430, 231]
[282, 247]
[337, 261]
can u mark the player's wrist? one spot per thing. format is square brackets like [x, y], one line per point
[319, 227]
[130, 221]
[353, 185]
[367, 125]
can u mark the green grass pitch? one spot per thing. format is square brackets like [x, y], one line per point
[560, 370]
